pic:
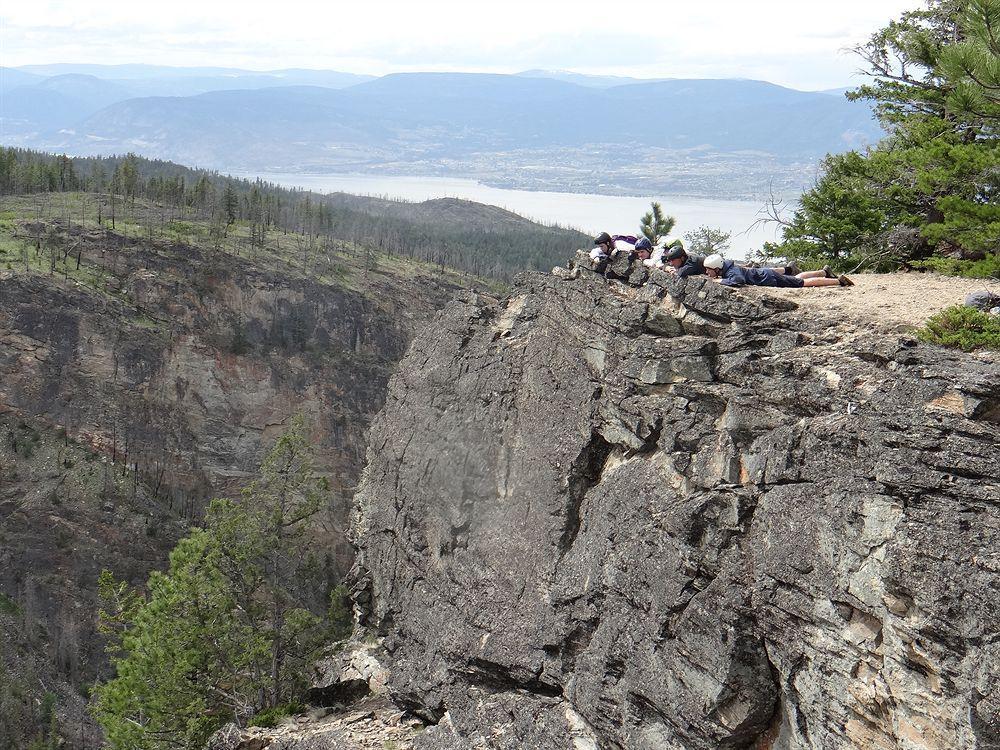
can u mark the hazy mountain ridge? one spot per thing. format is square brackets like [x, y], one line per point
[163, 80]
[584, 79]
[534, 130]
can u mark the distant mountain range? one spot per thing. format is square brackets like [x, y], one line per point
[534, 129]
[582, 79]
[160, 80]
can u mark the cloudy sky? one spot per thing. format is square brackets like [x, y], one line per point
[792, 42]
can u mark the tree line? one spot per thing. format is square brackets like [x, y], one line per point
[496, 249]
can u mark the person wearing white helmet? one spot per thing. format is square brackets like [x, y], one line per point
[683, 264]
[730, 274]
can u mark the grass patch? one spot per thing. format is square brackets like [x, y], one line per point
[271, 717]
[964, 328]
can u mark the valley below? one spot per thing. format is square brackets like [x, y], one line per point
[146, 368]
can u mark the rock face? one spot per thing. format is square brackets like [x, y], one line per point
[188, 363]
[682, 516]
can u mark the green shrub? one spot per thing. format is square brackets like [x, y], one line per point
[987, 268]
[271, 717]
[963, 328]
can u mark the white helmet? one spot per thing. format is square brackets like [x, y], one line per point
[714, 261]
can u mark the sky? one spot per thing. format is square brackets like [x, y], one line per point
[798, 43]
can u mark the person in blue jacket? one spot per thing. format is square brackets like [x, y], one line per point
[730, 274]
[685, 265]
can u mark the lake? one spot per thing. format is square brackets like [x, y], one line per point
[591, 213]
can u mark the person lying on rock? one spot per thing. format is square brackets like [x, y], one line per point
[656, 255]
[685, 265]
[607, 247]
[644, 249]
[729, 273]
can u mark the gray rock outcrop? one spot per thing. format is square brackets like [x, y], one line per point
[679, 516]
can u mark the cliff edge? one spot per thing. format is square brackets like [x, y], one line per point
[679, 516]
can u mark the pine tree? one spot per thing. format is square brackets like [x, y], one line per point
[973, 64]
[128, 177]
[230, 203]
[655, 225]
[229, 629]
[937, 173]
[707, 240]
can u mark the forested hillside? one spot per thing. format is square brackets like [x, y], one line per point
[481, 240]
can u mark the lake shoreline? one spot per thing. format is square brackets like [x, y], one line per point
[588, 212]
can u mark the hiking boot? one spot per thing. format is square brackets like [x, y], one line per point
[793, 269]
[829, 274]
[844, 281]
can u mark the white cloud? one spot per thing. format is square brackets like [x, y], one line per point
[787, 41]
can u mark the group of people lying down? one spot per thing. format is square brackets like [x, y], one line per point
[674, 259]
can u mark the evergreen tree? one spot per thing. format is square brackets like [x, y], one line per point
[97, 177]
[230, 628]
[203, 192]
[655, 224]
[67, 174]
[937, 173]
[707, 240]
[974, 62]
[128, 177]
[230, 203]
[8, 166]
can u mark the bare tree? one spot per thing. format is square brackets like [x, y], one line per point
[774, 211]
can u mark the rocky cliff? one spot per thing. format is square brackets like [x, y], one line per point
[680, 516]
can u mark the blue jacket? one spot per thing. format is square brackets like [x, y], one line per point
[733, 275]
[693, 266]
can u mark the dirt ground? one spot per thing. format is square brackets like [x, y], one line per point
[895, 301]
